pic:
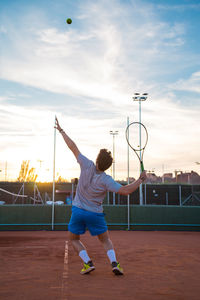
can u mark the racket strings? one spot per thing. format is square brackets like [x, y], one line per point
[136, 135]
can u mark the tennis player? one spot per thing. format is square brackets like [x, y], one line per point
[87, 210]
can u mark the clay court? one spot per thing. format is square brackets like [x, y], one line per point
[157, 265]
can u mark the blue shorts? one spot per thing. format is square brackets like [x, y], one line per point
[82, 219]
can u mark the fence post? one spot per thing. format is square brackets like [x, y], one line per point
[108, 198]
[114, 198]
[166, 198]
[72, 191]
[118, 199]
[180, 203]
[145, 194]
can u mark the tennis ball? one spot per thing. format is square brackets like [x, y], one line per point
[69, 21]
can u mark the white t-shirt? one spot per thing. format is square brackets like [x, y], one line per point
[92, 186]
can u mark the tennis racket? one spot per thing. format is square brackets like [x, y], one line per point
[137, 138]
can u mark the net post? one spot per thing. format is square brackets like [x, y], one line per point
[54, 164]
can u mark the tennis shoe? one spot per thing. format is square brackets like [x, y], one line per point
[116, 268]
[88, 267]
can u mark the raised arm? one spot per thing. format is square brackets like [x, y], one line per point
[130, 188]
[72, 146]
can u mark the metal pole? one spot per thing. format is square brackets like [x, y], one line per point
[23, 192]
[166, 198]
[118, 199]
[138, 97]
[128, 179]
[113, 165]
[108, 198]
[113, 133]
[113, 156]
[54, 168]
[72, 191]
[34, 193]
[141, 195]
[180, 203]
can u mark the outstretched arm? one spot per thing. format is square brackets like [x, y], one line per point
[130, 188]
[72, 146]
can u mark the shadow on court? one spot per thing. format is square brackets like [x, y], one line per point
[157, 265]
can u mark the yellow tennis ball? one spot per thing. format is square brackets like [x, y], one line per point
[69, 21]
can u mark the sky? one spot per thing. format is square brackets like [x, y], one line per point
[86, 74]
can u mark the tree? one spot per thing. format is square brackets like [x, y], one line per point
[26, 173]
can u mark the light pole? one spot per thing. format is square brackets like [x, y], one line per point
[113, 133]
[128, 178]
[140, 97]
[40, 162]
[54, 171]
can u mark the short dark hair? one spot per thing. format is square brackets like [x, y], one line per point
[104, 159]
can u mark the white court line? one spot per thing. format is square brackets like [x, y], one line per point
[64, 288]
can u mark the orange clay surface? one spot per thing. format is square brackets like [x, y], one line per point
[157, 265]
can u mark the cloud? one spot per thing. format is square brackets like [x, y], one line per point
[99, 60]
[18, 121]
[87, 74]
[3, 98]
[78, 74]
[191, 84]
[180, 7]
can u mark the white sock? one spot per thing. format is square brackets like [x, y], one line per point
[84, 256]
[111, 255]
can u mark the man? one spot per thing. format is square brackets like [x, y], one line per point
[87, 210]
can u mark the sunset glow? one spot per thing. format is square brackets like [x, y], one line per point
[86, 73]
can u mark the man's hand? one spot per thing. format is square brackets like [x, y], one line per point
[72, 146]
[143, 176]
[57, 126]
[130, 188]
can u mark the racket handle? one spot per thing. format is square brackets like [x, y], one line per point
[142, 166]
